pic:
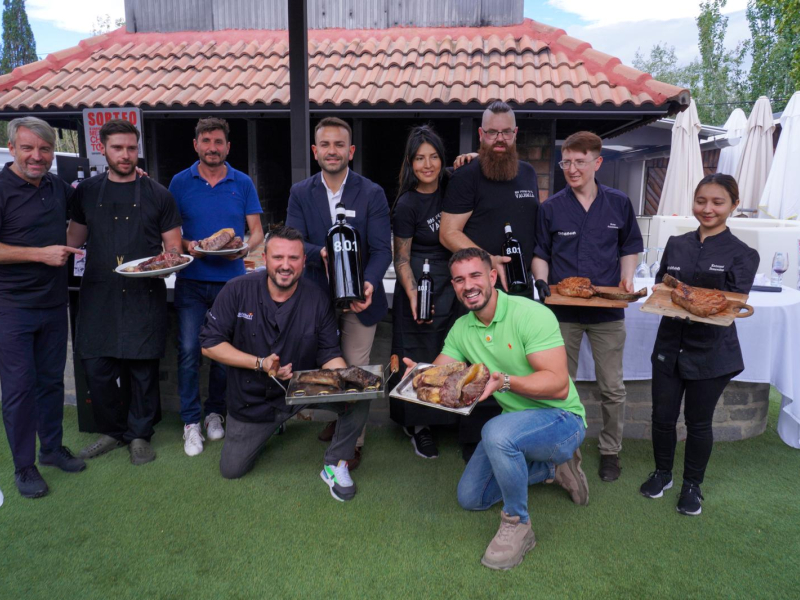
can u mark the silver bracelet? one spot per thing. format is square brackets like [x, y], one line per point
[259, 362]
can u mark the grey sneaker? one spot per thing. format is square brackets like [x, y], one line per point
[338, 479]
[105, 443]
[141, 452]
[214, 429]
[571, 477]
[510, 543]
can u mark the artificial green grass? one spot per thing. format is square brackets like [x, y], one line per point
[175, 529]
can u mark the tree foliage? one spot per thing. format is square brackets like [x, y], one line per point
[19, 47]
[786, 22]
[103, 24]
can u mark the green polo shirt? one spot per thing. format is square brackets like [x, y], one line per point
[520, 327]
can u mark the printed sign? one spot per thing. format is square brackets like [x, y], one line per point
[93, 120]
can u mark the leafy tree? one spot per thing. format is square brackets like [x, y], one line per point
[19, 47]
[663, 65]
[772, 54]
[786, 14]
[102, 24]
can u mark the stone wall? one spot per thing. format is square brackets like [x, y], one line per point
[741, 412]
[535, 146]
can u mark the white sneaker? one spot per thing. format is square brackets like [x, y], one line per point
[338, 479]
[194, 440]
[1, 497]
[214, 429]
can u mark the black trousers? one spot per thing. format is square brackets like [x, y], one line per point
[126, 410]
[700, 399]
[33, 351]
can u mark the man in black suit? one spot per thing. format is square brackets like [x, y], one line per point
[311, 211]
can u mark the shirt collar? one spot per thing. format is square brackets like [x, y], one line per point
[228, 171]
[499, 313]
[15, 180]
[572, 195]
[722, 235]
[341, 187]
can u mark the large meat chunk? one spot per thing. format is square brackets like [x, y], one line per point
[328, 377]
[360, 378]
[436, 376]
[165, 260]
[698, 301]
[450, 394]
[218, 240]
[576, 287]
[473, 390]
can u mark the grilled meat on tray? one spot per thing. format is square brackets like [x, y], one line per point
[358, 377]
[576, 287]
[165, 260]
[698, 301]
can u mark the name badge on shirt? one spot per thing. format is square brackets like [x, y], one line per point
[351, 214]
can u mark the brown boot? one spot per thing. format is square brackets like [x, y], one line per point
[510, 543]
[571, 477]
[326, 435]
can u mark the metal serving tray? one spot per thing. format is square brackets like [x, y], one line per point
[405, 391]
[302, 396]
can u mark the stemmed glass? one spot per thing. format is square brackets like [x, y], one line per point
[780, 263]
[654, 267]
[642, 270]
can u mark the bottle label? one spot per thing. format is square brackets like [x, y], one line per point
[346, 245]
[513, 250]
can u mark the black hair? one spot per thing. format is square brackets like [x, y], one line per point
[727, 182]
[469, 254]
[212, 124]
[423, 134]
[115, 126]
[284, 233]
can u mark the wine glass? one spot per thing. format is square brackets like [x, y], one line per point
[642, 270]
[780, 263]
[654, 267]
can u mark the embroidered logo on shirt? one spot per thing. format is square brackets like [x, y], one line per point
[210, 314]
[671, 268]
[434, 222]
[248, 316]
[613, 226]
[661, 357]
[488, 338]
[524, 194]
[565, 233]
[509, 347]
[717, 268]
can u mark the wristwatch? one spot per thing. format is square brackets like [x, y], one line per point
[506, 383]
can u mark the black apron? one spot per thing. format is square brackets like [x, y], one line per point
[422, 343]
[119, 317]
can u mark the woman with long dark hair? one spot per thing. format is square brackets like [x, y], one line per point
[694, 361]
[415, 224]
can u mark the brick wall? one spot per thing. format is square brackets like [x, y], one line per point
[535, 146]
[741, 412]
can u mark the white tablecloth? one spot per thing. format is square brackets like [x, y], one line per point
[770, 341]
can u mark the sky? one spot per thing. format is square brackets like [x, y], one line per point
[616, 27]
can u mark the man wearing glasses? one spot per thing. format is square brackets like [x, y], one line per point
[481, 198]
[590, 230]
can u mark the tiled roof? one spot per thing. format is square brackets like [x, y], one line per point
[529, 64]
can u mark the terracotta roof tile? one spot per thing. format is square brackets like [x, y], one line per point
[530, 63]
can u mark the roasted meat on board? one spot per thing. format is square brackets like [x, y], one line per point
[700, 302]
[581, 287]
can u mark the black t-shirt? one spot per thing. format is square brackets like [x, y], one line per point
[159, 210]
[35, 217]
[417, 216]
[493, 204]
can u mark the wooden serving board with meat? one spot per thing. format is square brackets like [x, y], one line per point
[579, 291]
[675, 299]
[454, 387]
[336, 385]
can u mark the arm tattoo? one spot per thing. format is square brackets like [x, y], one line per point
[402, 262]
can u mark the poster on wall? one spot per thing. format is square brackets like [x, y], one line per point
[93, 120]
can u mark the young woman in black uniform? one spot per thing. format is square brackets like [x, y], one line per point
[415, 224]
[692, 358]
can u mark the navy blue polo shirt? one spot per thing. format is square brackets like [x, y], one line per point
[301, 331]
[580, 243]
[35, 217]
[205, 210]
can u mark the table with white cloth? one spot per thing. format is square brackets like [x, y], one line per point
[770, 342]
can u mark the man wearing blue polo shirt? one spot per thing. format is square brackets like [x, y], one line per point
[211, 195]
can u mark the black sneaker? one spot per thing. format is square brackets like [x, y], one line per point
[689, 502]
[424, 445]
[609, 467]
[656, 483]
[30, 483]
[63, 459]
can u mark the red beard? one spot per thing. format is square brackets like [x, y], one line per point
[499, 166]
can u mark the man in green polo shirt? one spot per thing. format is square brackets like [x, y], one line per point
[537, 436]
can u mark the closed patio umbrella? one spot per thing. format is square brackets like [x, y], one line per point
[781, 197]
[729, 157]
[756, 159]
[685, 169]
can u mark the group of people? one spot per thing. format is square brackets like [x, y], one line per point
[257, 329]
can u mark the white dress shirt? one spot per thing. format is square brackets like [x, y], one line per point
[334, 198]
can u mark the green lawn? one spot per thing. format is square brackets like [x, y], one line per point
[176, 529]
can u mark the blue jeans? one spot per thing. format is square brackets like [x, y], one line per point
[517, 450]
[192, 301]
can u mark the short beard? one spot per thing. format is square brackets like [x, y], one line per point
[324, 166]
[481, 306]
[499, 166]
[274, 279]
[114, 167]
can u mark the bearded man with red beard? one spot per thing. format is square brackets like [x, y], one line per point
[482, 197]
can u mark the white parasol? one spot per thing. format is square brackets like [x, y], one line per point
[756, 159]
[781, 197]
[736, 125]
[685, 169]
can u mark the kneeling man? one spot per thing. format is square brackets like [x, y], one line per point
[537, 436]
[274, 320]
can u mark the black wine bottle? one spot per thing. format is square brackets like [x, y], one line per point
[425, 293]
[345, 271]
[516, 272]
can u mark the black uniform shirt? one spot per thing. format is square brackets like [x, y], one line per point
[417, 217]
[493, 204]
[301, 331]
[580, 243]
[722, 262]
[35, 217]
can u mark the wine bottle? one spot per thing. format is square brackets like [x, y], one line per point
[79, 178]
[516, 272]
[92, 171]
[424, 293]
[345, 271]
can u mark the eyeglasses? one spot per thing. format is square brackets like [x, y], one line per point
[578, 164]
[493, 133]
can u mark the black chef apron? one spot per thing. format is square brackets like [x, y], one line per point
[422, 343]
[119, 317]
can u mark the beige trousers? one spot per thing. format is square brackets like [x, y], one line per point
[607, 341]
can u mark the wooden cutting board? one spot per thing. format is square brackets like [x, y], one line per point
[660, 303]
[595, 302]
